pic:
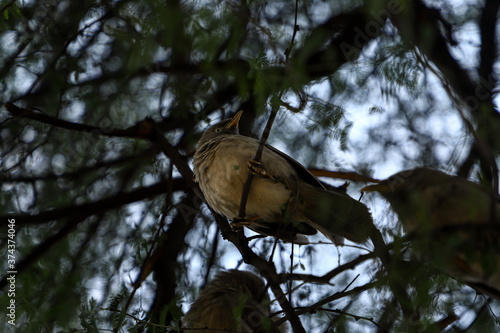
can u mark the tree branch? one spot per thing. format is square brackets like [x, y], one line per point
[265, 268]
[330, 275]
[133, 132]
[488, 51]
[80, 172]
[92, 208]
[354, 176]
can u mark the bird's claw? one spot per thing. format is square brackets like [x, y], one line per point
[256, 168]
[238, 223]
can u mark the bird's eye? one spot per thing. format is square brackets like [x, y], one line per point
[218, 130]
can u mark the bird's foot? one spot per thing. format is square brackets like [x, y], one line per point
[238, 226]
[256, 168]
[238, 223]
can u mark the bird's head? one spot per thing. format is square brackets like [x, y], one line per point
[407, 181]
[225, 127]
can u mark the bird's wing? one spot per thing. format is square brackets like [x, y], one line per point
[338, 213]
[333, 212]
[302, 172]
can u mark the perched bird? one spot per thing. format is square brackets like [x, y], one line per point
[284, 199]
[453, 223]
[235, 300]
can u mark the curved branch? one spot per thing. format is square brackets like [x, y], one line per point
[92, 208]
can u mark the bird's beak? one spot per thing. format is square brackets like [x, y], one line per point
[235, 121]
[381, 187]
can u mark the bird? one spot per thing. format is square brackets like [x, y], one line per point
[234, 300]
[285, 200]
[454, 223]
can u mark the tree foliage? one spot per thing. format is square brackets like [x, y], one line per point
[103, 103]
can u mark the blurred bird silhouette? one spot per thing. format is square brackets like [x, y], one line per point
[234, 300]
[285, 199]
[454, 223]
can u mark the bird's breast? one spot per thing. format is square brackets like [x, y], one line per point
[222, 176]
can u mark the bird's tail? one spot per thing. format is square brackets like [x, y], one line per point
[339, 214]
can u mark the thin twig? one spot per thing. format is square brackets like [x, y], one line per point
[356, 317]
[137, 319]
[314, 307]
[145, 154]
[267, 129]
[132, 132]
[144, 269]
[353, 176]
[480, 144]
[213, 255]
[330, 275]
[257, 158]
